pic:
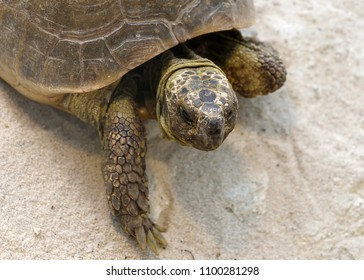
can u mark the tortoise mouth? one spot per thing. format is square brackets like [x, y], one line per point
[209, 143]
[202, 137]
[211, 133]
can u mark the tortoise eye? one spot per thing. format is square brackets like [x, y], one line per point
[186, 117]
[229, 114]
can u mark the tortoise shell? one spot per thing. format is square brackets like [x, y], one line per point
[49, 48]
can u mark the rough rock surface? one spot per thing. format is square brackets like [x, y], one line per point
[288, 183]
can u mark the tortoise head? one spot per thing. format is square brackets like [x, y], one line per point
[198, 108]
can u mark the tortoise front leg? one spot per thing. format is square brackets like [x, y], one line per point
[252, 67]
[124, 145]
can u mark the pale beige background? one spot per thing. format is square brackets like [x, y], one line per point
[287, 184]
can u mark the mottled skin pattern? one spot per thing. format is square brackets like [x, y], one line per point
[196, 104]
[207, 116]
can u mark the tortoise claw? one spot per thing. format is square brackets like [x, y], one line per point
[140, 237]
[150, 235]
[152, 242]
[159, 237]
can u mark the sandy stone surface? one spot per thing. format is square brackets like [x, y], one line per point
[288, 183]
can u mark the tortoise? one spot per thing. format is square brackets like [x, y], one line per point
[114, 63]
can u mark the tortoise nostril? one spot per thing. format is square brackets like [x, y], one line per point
[214, 132]
[215, 127]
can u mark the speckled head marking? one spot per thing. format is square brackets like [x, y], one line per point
[199, 107]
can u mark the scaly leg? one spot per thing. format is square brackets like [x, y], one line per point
[124, 145]
[252, 67]
[123, 140]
